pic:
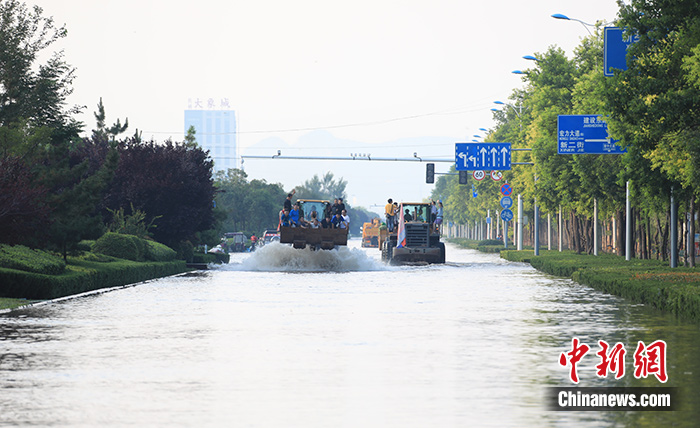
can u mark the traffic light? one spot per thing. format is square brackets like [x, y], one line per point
[463, 177]
[430, 173]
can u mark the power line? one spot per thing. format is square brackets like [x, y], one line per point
[347, 125]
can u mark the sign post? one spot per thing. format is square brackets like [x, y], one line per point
[585, 134]
[482, 156]
[615, 47]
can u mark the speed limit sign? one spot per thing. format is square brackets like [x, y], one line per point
[479, 175]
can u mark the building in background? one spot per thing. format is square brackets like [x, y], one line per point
[215, 130]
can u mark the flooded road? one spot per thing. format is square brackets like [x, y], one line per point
[282, 338]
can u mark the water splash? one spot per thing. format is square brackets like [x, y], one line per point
[276, 257]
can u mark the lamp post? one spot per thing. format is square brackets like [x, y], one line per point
[566, 18]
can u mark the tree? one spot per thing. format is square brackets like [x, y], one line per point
[102, 131]
[31, 92]
[23, 210]
[190, 138]
[75, 198]
[325, 187]
[172, 183]
[39, 130]
[249, 207]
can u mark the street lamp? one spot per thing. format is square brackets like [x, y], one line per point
[530, 58]
[517, 112]
[518, 72]
[566, 18]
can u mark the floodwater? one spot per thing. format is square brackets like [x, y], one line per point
[288, 338]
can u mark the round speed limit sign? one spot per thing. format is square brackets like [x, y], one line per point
[479, 175]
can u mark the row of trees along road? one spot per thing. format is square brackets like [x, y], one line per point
[653, 108]
[253, 206]
[57, 188]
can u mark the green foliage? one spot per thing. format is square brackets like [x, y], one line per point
[326, 188]
[248, 207]
[210, 258]
[131, 224]
[190, 138]
[82, 276]
[29, 91]
[102, 131]
[25, 259]
[127, 247]
[651, 108]
[9, 303]
[185, 251]
[651, 282]
[485, 246]
[158, 252]
[85, 245]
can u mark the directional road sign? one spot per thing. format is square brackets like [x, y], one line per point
[585, 134]
[506, 202]
[506, 215]
[482, 156]
[615, 46]
[506, 189]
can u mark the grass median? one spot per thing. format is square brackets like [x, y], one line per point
[651, 282]
[81, 274]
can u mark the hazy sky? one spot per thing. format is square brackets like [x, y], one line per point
[316, 77]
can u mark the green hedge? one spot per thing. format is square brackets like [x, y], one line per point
[81, 276]
[158, 252]
[25, 259]
[486, 246]
[120, 246]
[210, 258]
[651, 282]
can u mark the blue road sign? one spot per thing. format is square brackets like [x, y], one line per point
[506, 215]
[615, 46]
[506, 189]
[482, 156]
[585, 134]
[506, 202]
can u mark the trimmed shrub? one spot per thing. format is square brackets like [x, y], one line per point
[85, 245]
[140, 247]
[185, 251]
[25, 259]
[210, 258]
[490, 242]
[117, 245]
[81, 276]
[158, 252]
[651, 282]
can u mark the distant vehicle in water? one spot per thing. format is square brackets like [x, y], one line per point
[268, 236]
[235, 241]
[316, 238]
[371, 233]
[422, 239]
